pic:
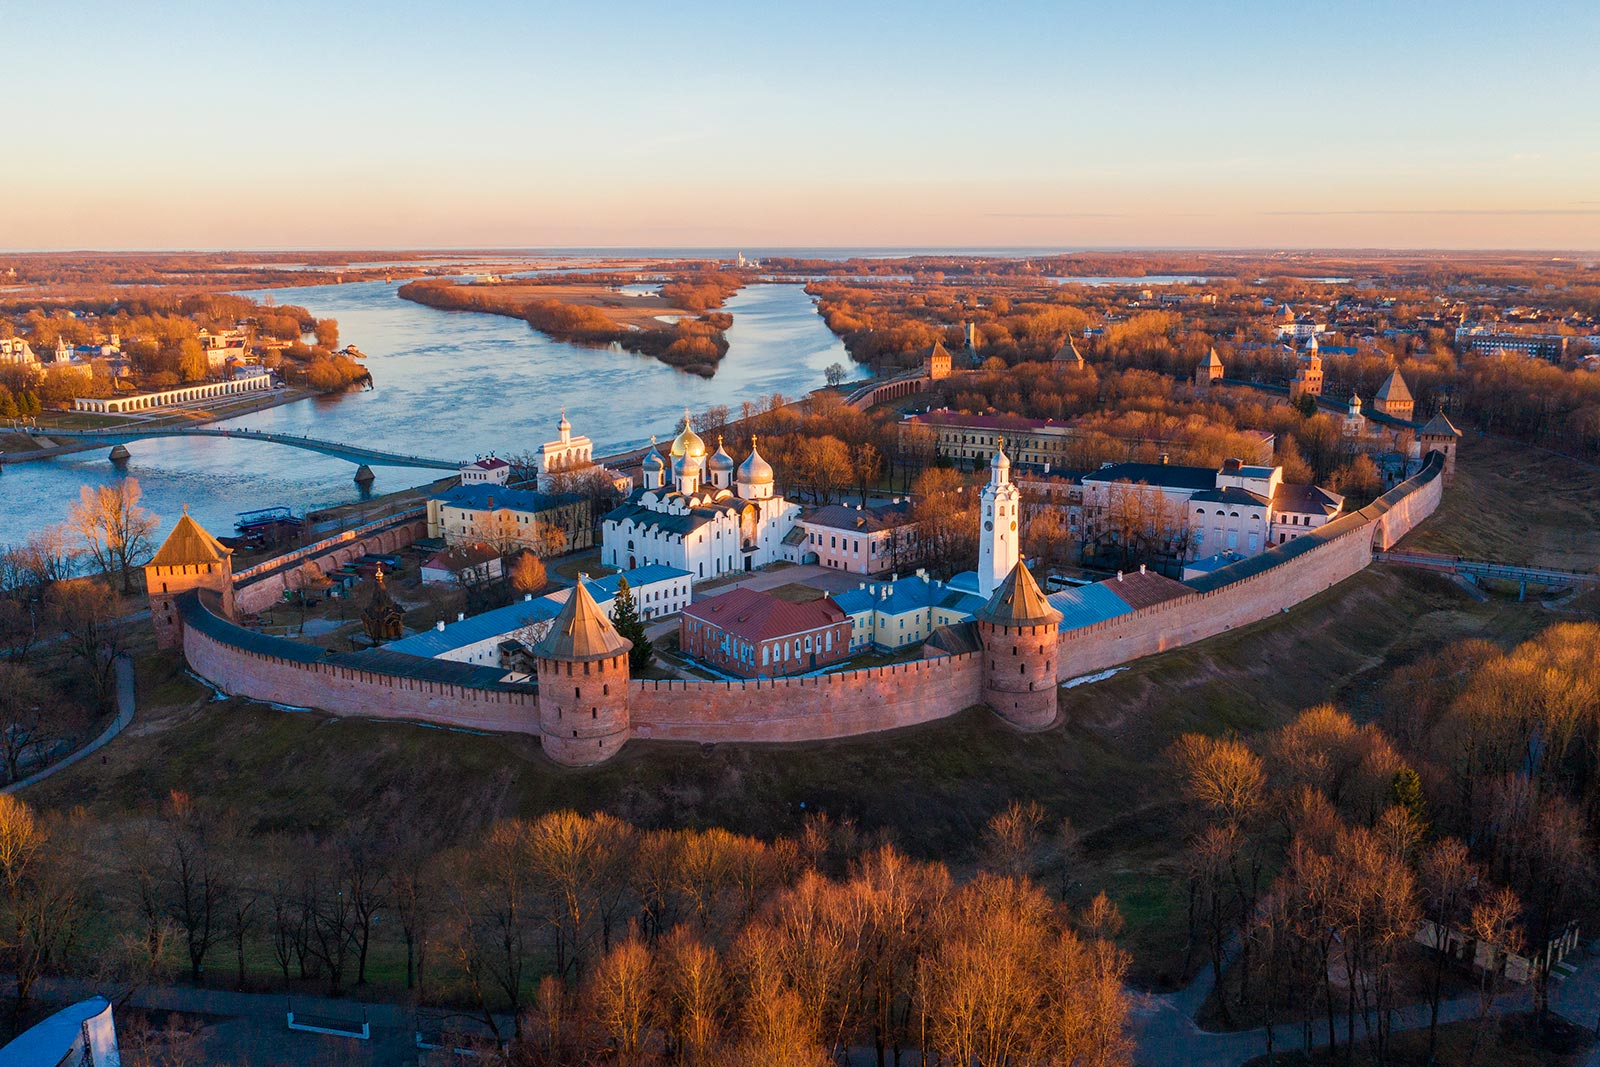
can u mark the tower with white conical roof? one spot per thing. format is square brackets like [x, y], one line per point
[998, 544]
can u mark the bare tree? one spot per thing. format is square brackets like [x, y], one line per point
[23, 721]
[114, 528]
[87, 613]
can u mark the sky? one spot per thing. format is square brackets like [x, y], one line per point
[1405, 123]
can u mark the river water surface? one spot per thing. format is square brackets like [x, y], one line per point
[450, 385]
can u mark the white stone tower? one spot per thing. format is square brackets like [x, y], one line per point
[998, 550]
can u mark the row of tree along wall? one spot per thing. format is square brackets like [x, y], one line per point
[395, 686]
[1257, 588]
[262, 586]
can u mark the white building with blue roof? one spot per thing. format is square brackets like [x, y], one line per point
[492, 638]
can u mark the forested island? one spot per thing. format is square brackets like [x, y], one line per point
[678, 324]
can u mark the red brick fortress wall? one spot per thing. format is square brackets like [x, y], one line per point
[793, 709]
[807, 709]
[262, 586]
[1257, 588]
[341, 690]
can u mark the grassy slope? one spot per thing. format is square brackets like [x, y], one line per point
[1519, 505]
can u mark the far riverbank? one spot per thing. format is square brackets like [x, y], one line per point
[12, 443]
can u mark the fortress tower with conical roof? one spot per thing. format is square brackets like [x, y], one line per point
[190, 558]
[1018, 628]
[582, 663]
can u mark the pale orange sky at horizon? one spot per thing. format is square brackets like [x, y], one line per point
[1155, 125]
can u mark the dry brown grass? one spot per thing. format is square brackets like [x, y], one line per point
[638, 311]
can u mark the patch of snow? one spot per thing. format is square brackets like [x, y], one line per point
[1085, 679]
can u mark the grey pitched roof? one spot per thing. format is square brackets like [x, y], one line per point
[641, 515]
[1306, 500]
[1163, 474]
[1231, 495]
[860, 520]
[1439, 426]
[957, 640]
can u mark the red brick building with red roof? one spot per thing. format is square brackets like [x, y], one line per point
[752, 634]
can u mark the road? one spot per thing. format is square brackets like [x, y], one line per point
[1163, 1028]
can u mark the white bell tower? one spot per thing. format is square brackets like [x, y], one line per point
[998, 542]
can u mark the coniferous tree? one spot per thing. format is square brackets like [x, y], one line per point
[625, 617]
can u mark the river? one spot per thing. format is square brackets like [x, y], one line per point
[450, 385]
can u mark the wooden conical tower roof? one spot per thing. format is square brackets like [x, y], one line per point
[189, 545]
[581, 632]
[1019, 602]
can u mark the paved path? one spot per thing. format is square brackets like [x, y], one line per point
[1163, 1026]
[1484, 568]
[257, 1028]
[125, 708]
[1578, 998]
[1165, 1033]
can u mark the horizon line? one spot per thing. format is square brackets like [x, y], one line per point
[866, 250]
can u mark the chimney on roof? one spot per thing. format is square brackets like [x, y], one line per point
[527, 597]
[439, 626]
[1141, 568]
[1119, 576]
[1165, 459]
[461, 616]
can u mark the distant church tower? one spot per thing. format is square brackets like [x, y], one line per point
[998, 550]
[1308, 378]
[190, 558]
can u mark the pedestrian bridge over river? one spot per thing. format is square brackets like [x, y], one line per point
[87, 440]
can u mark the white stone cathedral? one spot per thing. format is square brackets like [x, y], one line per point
[713, 520]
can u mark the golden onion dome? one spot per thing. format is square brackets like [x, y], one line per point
[688, 442]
